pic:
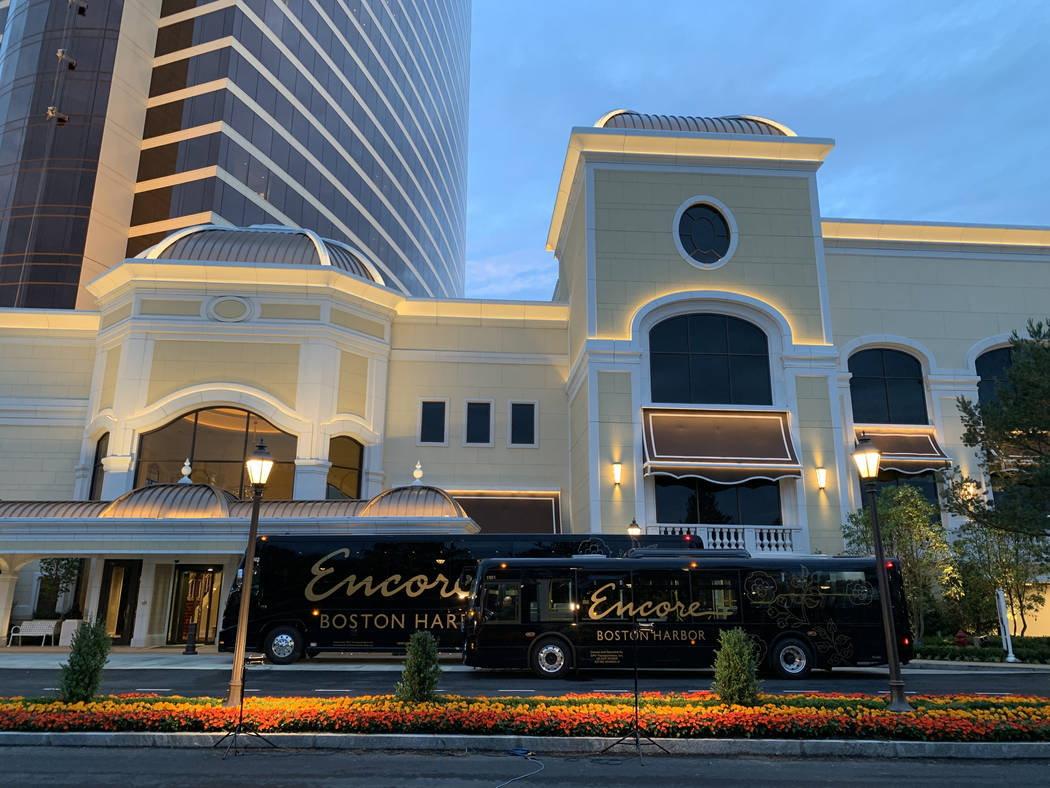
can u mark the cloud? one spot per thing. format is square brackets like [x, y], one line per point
[522, 274]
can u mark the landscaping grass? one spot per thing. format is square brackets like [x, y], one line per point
[694, 715]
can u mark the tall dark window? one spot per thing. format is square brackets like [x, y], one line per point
[699, 501]
[523, 424]
[217, 441]
[97, 471]
[991, 367]
[479, 424]
[432, 421]
[344, 477]
[709, 359]
[887, 388]
[926, 483]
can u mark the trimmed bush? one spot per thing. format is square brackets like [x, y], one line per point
[80, 678]
[736, 682]
[420, 676]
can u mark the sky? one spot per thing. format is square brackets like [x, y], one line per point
[940, 111]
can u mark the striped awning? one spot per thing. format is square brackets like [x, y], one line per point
[906, 451]
[724, 447]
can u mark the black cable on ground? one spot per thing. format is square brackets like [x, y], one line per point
[528, 756]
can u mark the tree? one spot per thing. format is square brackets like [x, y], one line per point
[990, 559]
[1012, 435]
[913, 533]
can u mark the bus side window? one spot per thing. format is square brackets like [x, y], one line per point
[553, 600]
[500, 601]
[661, 596]
[714, 597]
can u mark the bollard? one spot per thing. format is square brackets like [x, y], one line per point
[191, 638]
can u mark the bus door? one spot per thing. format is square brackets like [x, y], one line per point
[501, 636]
[662, 600]
[715, 606]
[606, 629]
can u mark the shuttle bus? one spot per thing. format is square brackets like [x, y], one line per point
[371, 592]
[661, 611]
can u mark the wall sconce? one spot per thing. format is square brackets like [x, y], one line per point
[822, 478]
[617, 472]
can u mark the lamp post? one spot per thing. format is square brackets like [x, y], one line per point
[867, 457]
[259, 465]
[634, 531]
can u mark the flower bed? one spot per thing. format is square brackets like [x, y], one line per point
[696, 715]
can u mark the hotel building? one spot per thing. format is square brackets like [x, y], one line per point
[714, 347]
[349, 118]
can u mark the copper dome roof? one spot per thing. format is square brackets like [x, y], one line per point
[730, 124]
[180, 501]
[414, 500]
[261, 243]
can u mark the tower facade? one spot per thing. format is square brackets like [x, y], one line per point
[348, 118]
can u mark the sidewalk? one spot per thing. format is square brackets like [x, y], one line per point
[208, 658]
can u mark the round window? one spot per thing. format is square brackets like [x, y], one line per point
[704, 233]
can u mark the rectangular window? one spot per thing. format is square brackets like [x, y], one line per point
[477, 423]
[522, 425]
[432, 421]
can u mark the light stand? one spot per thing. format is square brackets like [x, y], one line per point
[259, 466]
[867, 458]
[239, 729]
[635, 732]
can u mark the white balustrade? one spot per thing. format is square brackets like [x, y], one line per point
[756, 539]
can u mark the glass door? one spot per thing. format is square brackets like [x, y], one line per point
[117, 598]
[195, 598]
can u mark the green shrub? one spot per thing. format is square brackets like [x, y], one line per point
[80, 678]
[735, 669]
[420, 676]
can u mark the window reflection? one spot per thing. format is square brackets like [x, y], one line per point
[217, 441]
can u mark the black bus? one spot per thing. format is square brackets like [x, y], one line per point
[370, 593]
[802, 612]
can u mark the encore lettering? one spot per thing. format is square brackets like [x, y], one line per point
[321, 586]
[601, 606]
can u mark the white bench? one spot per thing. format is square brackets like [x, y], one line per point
[33, 629]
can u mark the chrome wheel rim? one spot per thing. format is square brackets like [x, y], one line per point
[551, 658]
[283, 646]
[793, 659]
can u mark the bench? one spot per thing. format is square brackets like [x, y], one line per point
[33, 629]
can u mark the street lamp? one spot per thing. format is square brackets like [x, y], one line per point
[259, 465]
[867, 457]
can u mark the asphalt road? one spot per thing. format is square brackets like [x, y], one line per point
[363, 681]
[58, 767]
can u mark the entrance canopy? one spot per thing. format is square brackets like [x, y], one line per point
[724, 447]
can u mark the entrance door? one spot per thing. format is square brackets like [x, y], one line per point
[195, 598]
[117, 598]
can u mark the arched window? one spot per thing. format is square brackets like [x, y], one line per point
[709, 360]
[991, 367]
[216, 441]
[887, 388]
[344, 477]
[97, 472]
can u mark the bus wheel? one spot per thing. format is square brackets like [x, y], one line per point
[551, 659]
[284, 645]
[791, 659]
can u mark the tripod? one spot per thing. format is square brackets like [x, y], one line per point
[635, 733]
[239, 729]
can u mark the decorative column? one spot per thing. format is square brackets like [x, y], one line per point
[7, 601]
[311, 479]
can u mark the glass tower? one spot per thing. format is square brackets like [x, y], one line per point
[348, 117]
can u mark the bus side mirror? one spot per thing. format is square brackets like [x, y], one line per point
[465, 581]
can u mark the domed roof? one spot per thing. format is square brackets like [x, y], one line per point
[413, 500]
[261, 243]
[730, 124]
[180, 501]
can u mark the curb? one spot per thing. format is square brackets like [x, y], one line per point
[550, 745]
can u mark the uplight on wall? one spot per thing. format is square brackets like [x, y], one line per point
[617, 472]
[822, 478]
